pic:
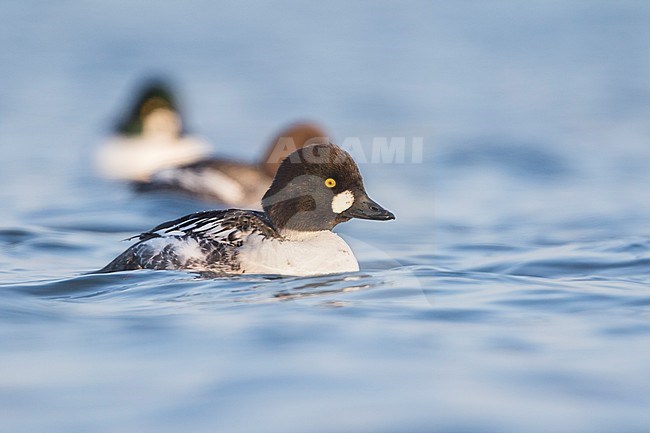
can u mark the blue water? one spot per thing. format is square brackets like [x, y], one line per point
[511, 294]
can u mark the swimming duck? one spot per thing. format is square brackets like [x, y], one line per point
[149, 139]
[235, 183]
[314, 189]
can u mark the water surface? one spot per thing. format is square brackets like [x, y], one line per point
[511, 293]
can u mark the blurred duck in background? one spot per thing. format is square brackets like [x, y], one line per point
[235, 183]
[149, 138]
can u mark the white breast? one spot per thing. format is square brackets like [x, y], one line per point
[304, 253]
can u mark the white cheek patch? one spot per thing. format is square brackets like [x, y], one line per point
[342, 201]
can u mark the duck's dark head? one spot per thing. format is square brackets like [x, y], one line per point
[154, 107]
[289, 139]
[318, 187]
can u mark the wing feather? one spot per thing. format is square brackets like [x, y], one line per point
[204, 240]
[218, 225]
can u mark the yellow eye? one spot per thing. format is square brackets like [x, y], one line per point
[330, 183]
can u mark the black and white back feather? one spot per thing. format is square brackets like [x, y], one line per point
[205, 241]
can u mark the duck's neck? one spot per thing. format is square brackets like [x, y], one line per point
[299, 235]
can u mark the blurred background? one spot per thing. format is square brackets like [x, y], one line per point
[543, 74]
[510, 294]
